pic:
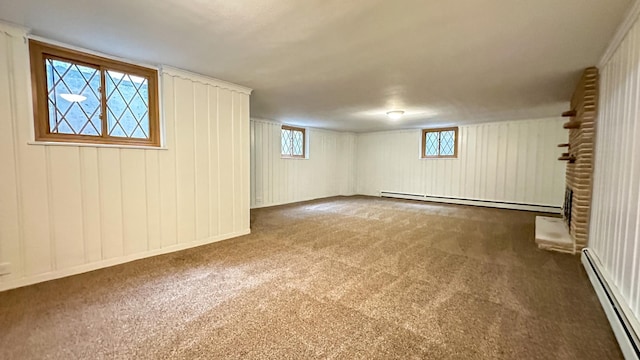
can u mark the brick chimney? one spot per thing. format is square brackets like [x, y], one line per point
[582, 134]
[571, 234]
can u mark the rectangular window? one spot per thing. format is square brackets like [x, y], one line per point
[440, 143]
[81, 97]
[293, 142]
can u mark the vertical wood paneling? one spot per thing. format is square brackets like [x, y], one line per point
[549, 151]
[10, 212]
[273, 164]
[541, 148]
[111, 203]
[214, 162]
[279, 181]
[632, 231]
[168, 169]
[521, 176]
[476, 164]
[66, 206]
[615, 212]
[134, 201]
[34, 199]
[483, 162]
[503, 143]
[66, 209]
[507, 161]
[226, 168]
[90, 183]
[245, 146]
[624, 158]
[282, 170]
[492, 163]
[469, 159]
[531, 170]
[152, 191]
[252, 161]
[511, 173]
[185, 160]
[202, 197]
[237, 157]
[36, 252]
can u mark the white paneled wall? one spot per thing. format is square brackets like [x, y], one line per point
[328, 171]
[507, 161]
[615, 211]
[69, 209]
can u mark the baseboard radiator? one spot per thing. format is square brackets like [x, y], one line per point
[473, 202]
[625, 328]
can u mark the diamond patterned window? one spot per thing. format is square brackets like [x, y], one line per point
[432, 144]
[293, 142]
[440, 143]
[287, 142]
[127, 105]
[67, 114]
[86, 98]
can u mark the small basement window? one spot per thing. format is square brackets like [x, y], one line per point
[440, 143]
[293, 142]
[80, 97]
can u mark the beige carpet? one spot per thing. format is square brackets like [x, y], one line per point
[339, 278]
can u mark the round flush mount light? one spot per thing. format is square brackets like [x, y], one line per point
[73, 97]
[395, 114]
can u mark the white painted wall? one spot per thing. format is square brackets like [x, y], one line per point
[69, 209]
[328, 171]
[615, 212]
[513, 161]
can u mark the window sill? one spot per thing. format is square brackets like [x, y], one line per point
[439, 158]
[94, 145]
[293, 158]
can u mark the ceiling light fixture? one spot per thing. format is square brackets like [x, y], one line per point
[73, 97]
[395, 114]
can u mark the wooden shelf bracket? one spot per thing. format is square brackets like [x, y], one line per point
[573, 124]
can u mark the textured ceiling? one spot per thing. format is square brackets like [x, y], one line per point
[343, 64]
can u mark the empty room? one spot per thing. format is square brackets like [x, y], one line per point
[279, 179]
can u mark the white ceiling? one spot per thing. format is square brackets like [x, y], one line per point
[342, 64]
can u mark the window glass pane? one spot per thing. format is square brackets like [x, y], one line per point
[447, 143]
[431, 148]
[298, 142]
[286, 142]
[127, 105]
[73, 98]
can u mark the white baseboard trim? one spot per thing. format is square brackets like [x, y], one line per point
[624, 325]
[30, 280]
[260, 206]
[474, 202]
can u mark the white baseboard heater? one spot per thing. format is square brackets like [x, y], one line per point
[473, 202]
[624, 327]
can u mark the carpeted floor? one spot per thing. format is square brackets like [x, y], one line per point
[339, 278]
